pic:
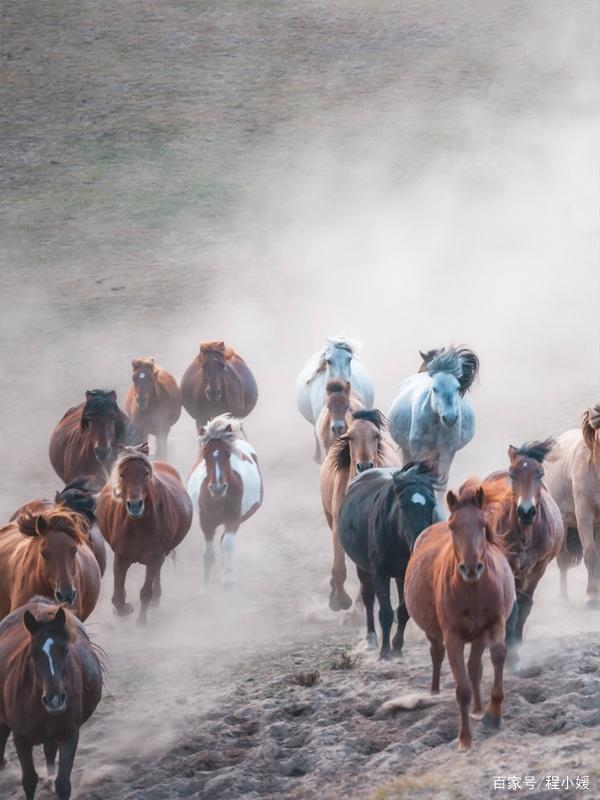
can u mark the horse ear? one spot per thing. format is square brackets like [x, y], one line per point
[480, 497]
[229, 429]
[112, 396]
[60, 616]
[31, 623]
[452, 500]
[202, 431]
[512, 452]
[31, 525]
[220, 346]
[144, 448]
[88, 394]
[136, 363]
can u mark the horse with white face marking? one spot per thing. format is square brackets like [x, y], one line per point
[225, 486]
[431, 417]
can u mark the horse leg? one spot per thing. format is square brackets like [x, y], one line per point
[50, 748]
[367, 591]
[156, 592]
[146, 592]
[437, 652]
[25, 753]
[120, 568]
[475, 668]
[67, 748]
[4, 734]
[318, 456]
[493, 714]
[338, 597]
[228, 550]
[591, 555]
[511, 637]
[386, 613]
[456, 656]
[402, 617]
[161, 446]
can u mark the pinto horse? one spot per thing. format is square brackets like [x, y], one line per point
[46, 552]
[382, 514]
[340, 402]
[78, 497]
[573, 478]
[528, 519]
[218, 381]
[364, 445]
[226, 487]
[153, 403]
[459, 588]
[51, 680]
[144, 512]
[85, 440]
[431, 417]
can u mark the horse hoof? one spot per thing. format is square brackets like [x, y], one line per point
[491, 723]
[385, 655]
[50, 770]
[141, 621]
[124, 610]
[155, 602]
[344, 601]
[464, 746]
[593, 604]
[478, 715]
[371, 641]
[333, 602]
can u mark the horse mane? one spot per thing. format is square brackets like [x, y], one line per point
[78, 496]
[495, 494]
[536, 450]
[458, 361]
[216, 348]
[136, 453]
[101, 402]
[340, 343]
[416, 474]
[590, 424]
[59, 517]
[224, 428]
[372, 415]
[340, 449]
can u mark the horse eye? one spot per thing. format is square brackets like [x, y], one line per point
[434, 389]
[73, 552]
[44, 555]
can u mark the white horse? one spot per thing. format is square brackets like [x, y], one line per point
[431, 417]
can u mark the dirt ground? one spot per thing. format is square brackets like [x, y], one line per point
[411, 174]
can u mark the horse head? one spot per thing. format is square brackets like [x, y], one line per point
[469, 529]
[103, 423]
[336, 359]
[526, 473]
[337, 394]
[360, 448]
[452, 372]
[217, 443]
[414, 486]
[49, 651]
[131, 478]
[213, 357]
[144, 376]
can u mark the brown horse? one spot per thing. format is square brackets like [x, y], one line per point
[217, 381]
[47, 553]
[365, 445]
[340, 402]
[459, 588]
[529, 522]
[153, 403]
[573, 477]
[77, 496]
[144, 512]
[85, 440]
[51, 680]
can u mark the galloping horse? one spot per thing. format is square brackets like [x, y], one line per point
[335, 362]
[226, 487]
[431, 417]
[47, 553]
[85, 440]
[573, 478]
[51, 680]
[365, 445]
[382, 514]
[77, 496]
[459, 588]
[340, 402]
[217, 381]
[144, 512]
[153, 403]
[529, 522]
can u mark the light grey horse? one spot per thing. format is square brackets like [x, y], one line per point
[431, 417]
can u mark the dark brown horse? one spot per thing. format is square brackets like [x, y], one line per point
[529, 522]
[459, 589]
[217, 381]
[51, 679]
[85, 440]
[47, 553]
[77, 496]
[144, 512]
[153, 403]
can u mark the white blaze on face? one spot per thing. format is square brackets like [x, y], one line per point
[47, 648]
[217, 468]
[418, 499]
[142, 375]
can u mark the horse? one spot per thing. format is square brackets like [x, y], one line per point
[365, 445]
[333, 420]
[77, 496]
[51, 678]
[153, 403]
[529, 522]
[459, 588]
[226, 487]
[144, 512]
[46, 552]
[85, 440]
[573, 478]
[431, 417]
[382, 514]
[218, 381]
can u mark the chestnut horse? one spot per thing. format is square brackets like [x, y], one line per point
[85, 440]
[77, 496]
[365, 445]
[226, 487]
[153, 403]
[573, 478]
[144, 512]
[218, 381]
[46, 552]
[459, 588]
[529, 522]
[51, 680]
[335, 416]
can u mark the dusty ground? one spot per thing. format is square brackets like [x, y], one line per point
[270, 173]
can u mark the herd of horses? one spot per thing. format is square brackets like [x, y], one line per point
[466, 564]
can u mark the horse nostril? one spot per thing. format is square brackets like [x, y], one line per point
[102, 453]
[68, 596]
[479, 567]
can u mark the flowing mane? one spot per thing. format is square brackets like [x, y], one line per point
[536, 450]
[458, 361]
[495, 495]
[137, 453]
[339, 343]
[340, 448]
[36, 524]
[78, 496]
[590, 424]
[216, 348]
[372, 415]
[224, 428]
[103, 403]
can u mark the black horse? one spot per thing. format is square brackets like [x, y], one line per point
[382, 514]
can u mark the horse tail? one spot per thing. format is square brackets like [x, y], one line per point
[590, 424]
[573, 546]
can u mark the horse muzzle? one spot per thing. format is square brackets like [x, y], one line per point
[141, 401]
[65, 597]
[213, 395]
[102, 453]
[471, 574]
[218, 489]
[449, 420]
[135, 508]
[54, 702]
[526, 513]
[338, 428]
[363, 466]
